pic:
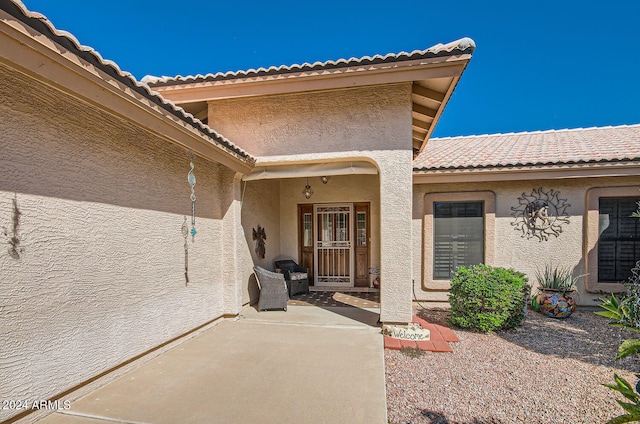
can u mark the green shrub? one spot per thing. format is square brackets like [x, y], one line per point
[485, 298]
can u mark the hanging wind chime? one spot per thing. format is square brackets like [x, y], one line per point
[191, 178]
[192, 182]
[185, 234]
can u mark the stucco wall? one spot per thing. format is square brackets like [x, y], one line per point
[101, 278]
[512, 250]
[365, 118]
[261, 206]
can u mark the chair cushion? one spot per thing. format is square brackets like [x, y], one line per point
[298, 276]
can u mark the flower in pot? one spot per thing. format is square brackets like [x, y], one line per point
[556, 286]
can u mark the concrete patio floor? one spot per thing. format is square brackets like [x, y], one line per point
[306, 365]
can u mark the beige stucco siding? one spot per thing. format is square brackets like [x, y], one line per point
[260, 207]
[341, 121]
[101, 278]
[511, 249]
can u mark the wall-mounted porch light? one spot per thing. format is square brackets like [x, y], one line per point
[308, 191]
[325, 179]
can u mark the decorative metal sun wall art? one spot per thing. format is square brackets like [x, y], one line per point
[260, 236]
[540, 214]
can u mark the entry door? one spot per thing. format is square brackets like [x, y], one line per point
[333, 247]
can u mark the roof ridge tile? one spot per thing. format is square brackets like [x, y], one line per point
[462, 44]
[562, 130]
[608, 144]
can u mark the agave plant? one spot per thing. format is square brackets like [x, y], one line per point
[556, 278]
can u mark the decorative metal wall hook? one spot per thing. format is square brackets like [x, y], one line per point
[191, 178]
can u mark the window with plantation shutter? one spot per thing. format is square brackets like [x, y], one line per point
[458, 236]
[619, 241]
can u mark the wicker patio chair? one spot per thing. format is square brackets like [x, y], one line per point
[296, 276]
[273, 290]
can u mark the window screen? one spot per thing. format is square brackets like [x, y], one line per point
[458, 236]
[619, 242]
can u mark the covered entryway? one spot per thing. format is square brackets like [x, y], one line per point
[357, 116]
[336, 231]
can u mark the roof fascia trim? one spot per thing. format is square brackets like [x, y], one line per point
[527, 173]
[463, 46]
[317, 81]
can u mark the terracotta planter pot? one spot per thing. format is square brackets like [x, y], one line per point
[555, 303]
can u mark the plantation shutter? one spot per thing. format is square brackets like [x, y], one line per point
[458, 236]
[619, 243]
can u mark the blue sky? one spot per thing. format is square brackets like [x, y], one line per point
[538, 65]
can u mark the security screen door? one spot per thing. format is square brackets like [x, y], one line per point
[333, 247]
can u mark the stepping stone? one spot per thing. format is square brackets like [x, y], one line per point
[391, 343]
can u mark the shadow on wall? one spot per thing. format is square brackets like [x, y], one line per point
[70, 151]
[581, 296]
[261, 210]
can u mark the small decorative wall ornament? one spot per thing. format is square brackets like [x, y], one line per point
[540, 214]
[260, 236]
[185, 234]
[13, 237]
[191, 178]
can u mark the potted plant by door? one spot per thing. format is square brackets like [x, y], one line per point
[556, 286]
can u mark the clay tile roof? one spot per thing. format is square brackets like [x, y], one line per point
[41, 24]
[461, 46]
[539, 148]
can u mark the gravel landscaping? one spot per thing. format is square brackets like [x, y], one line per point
[546, 371]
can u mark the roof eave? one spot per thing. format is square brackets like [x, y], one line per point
[324, 79]
[528, 172]
[443, 105]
